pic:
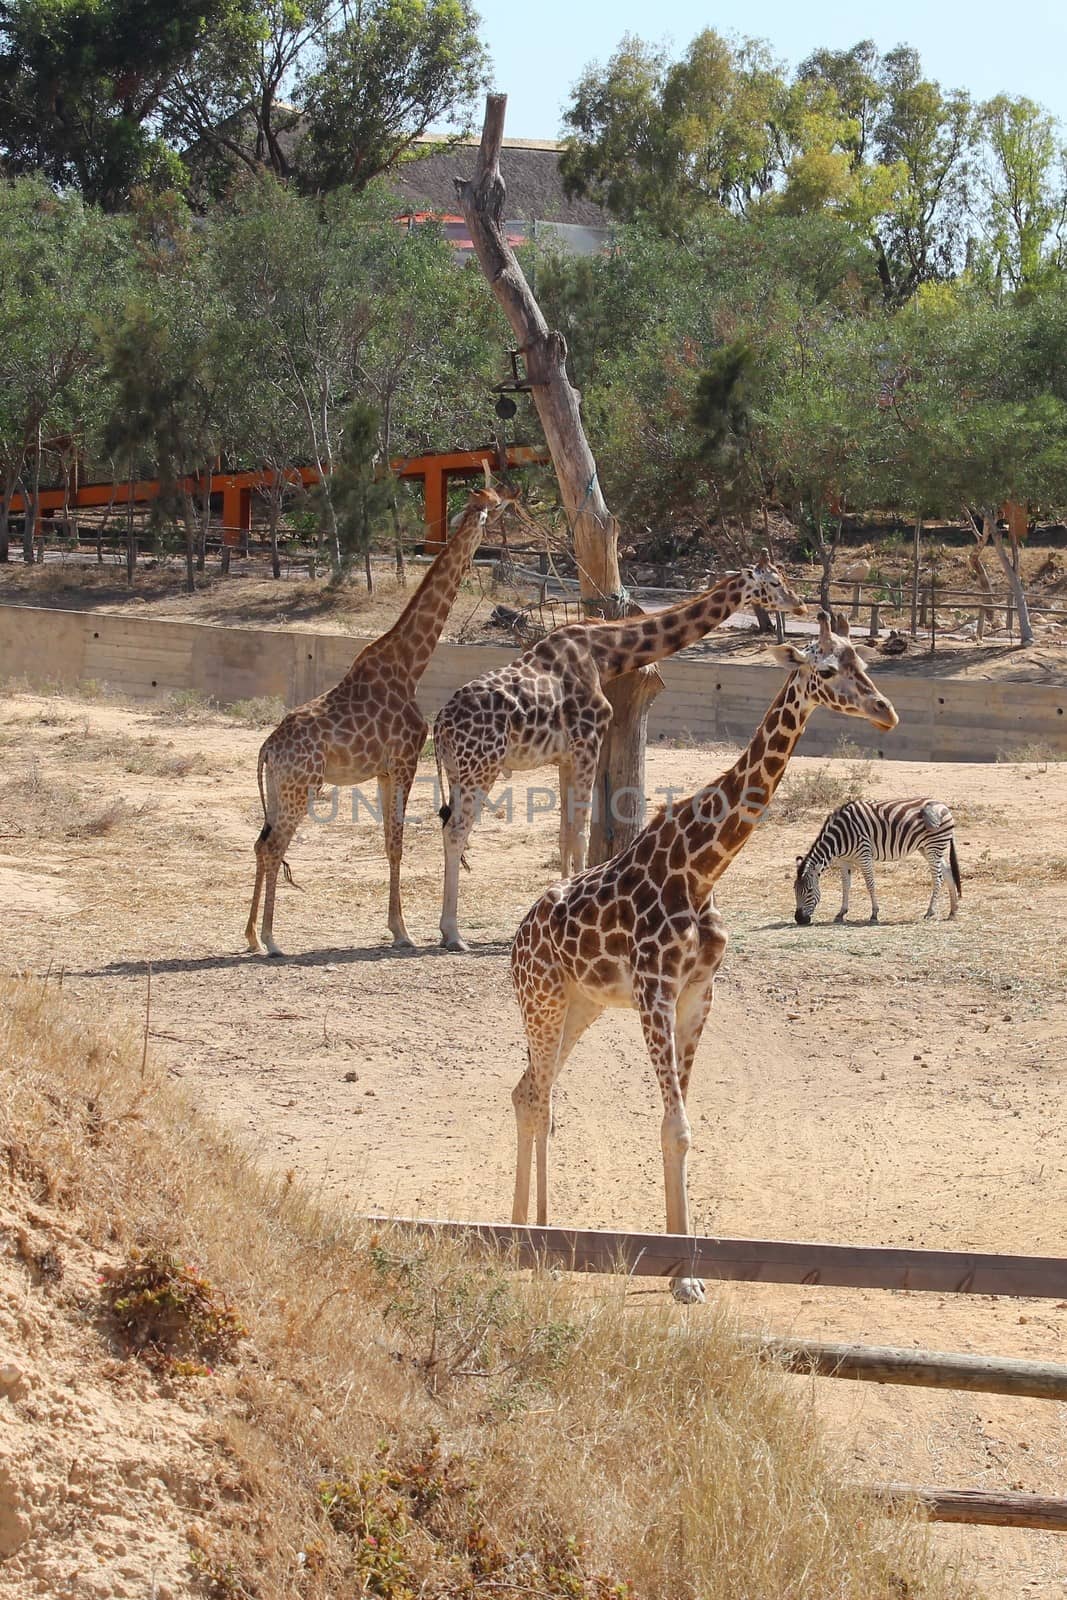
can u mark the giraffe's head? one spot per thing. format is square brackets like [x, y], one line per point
[829, 672]
[763, 585]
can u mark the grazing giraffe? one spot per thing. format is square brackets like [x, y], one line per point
[366, 726]
[548, 708]
[642, 929]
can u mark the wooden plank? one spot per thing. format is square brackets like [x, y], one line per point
[979, 1507]
[660, 1255]
[927, 1369]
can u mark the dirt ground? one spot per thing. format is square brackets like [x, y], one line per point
[900, 1084]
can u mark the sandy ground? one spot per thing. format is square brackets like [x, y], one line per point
[898, 1084]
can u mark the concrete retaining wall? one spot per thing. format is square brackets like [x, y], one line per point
[148, 658]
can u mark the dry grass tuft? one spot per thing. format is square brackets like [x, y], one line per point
[820, 791]
[406, 1420]
[262, 711]
[36, 805]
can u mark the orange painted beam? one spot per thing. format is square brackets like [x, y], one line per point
[237, 488]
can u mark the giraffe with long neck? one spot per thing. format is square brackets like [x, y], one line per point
[642, 930]
[366, 726]
[548, 708]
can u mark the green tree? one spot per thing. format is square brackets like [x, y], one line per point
[392, 69]
[362, 487]
[1023, 185]
[62, 268]
[83, 85]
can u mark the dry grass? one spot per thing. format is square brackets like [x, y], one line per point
[821, 790]
[147, 756]
[541, 1440]
[35, 805]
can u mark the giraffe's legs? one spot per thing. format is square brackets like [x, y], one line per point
[270, 852]
[659, 1024]
[846, 884]
[553, 1029]
[393, 790]
[462, 806]
[577, 780]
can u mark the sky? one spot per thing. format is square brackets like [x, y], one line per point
[539, 50]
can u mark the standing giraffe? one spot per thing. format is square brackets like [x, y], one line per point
[548, 708]
[367, 726]
[642, 929]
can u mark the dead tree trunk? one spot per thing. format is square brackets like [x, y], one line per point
[593, 529]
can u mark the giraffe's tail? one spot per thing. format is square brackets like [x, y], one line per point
[444, 810]
[265, 831]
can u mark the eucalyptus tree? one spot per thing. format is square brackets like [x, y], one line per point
[1022, 181]
[62, 267]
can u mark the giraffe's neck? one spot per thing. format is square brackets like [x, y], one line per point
[717, 820]
[637, 641]
[412, 639]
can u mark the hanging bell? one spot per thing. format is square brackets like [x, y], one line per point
[505, 408]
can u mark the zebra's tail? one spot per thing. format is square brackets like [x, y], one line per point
[954, 863]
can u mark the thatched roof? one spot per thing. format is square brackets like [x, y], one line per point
[529, 168]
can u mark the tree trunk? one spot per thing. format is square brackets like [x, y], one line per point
[274, 511]
[1015, 582]
[593, 529]
[915, 553]
[986, 607]
[190, 538]
[131, 537]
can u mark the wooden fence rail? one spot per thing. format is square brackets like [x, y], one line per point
[844, 1266]
[979, 1507]
[924, 1369]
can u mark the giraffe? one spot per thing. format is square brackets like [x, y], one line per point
[642, 930]
[368, 725]
[548, 708]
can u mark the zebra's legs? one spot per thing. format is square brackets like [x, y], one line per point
[868, 877]
[846, 884]
[953, 892]
[938, 863]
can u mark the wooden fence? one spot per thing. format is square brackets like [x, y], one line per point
[826, 1265]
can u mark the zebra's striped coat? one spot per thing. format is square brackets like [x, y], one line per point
[864, 831]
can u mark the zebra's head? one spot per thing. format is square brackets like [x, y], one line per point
[807, 890]
[763, 585]
[829, 672]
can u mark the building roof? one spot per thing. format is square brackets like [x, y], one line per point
[529, 168]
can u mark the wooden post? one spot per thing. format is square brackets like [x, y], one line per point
[875, 621]
[915, 573]
[435, 511]
[594, 530]
[855, 601]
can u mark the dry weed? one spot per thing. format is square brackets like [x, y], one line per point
[36, 805]
[820, 791]
[262, 711]
[542, 1439]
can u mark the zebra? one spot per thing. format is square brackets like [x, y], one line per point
[864, 831]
